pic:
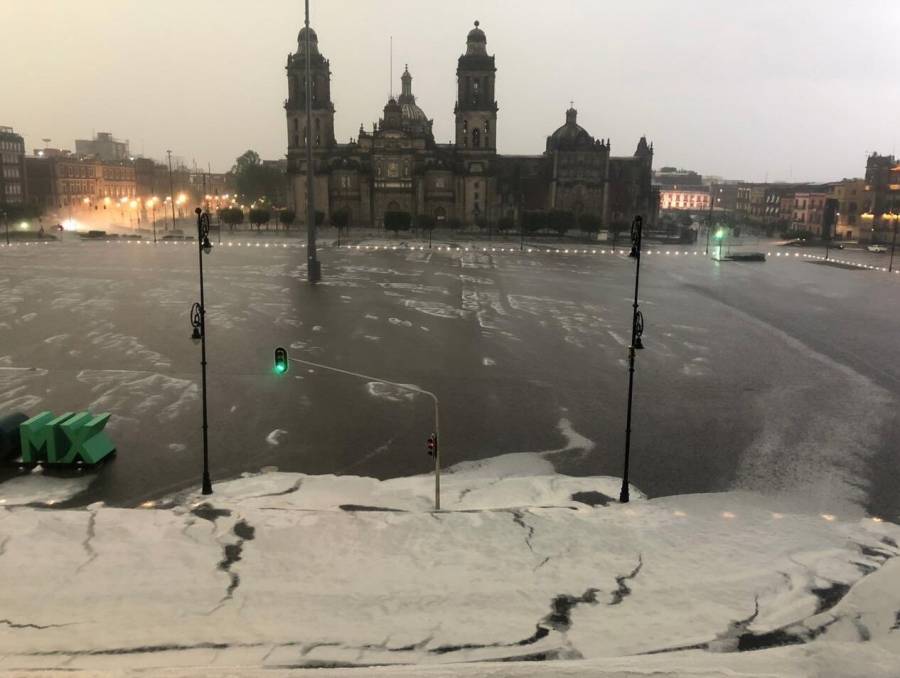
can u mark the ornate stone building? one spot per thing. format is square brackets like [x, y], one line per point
[398, 166]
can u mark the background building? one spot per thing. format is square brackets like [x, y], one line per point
[882, 198]
[104, 147]
[12, 168]
[670, 177]
[71, 184]
[678, 197]
[398, 166]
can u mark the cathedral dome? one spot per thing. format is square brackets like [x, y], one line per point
[476, 42]
[410, 110]
[313, 41]
[570, 136]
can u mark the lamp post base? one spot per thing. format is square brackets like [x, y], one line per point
[315, 270]
[207, 484]
[623, 495]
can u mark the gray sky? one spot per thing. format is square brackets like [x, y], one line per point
[796, 89]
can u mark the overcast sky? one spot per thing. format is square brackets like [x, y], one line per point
[747, 89]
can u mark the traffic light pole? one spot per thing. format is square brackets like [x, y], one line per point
[406, 387]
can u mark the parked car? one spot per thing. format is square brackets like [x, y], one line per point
[876, 248]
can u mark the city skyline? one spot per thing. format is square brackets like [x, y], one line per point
[783, 128]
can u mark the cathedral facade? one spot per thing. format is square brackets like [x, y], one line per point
[398, 166]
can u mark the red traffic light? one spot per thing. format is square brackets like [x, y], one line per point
[432, 445]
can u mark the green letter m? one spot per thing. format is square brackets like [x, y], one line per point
[41, 438]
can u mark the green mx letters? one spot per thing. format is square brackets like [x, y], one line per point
[66, 439]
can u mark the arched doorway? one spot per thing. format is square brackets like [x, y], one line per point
[440, 215]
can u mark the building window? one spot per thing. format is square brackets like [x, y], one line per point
[476, 138]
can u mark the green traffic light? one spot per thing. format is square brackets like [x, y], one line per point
[281, 360]
[720, 234]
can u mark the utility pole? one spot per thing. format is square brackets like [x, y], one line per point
[171, 189]
[314, 270]
[709, 223]
[637, 329]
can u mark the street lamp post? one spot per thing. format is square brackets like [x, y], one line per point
[171, 188]
[198, 322]
[637, 329]
[894, 218]
[6, 224]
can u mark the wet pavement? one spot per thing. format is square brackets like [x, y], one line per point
[780, 376]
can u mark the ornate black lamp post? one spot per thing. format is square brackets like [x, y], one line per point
[198, 323]
[637, 329]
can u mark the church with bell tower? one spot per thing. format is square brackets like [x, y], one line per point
[396, 165]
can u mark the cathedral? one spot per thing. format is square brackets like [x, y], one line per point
[397, 166]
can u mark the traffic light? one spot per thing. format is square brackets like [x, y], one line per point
[720, 234]
[281, 360]
[432, 445]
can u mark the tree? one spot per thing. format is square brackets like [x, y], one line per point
[397, 221]
[616, 228]
[340, 219]
[232, 216]
[426, 222]
[21, 212]
[287, 217]
[259, 216]
[561, 221]
[589, 223]
[255, 180]
[534, 220]
[506, 224]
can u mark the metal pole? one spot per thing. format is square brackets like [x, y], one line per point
[407, 387]
[636, 328]
[893, 243]
[6, 223]
[207, 483]
[171, 189]
[708, 227]
[314, 273]
[154, 221]
[437, 457]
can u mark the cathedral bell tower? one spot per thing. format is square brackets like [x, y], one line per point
[295, 106]
[476, 107]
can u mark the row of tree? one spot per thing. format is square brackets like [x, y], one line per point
[532, 222]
